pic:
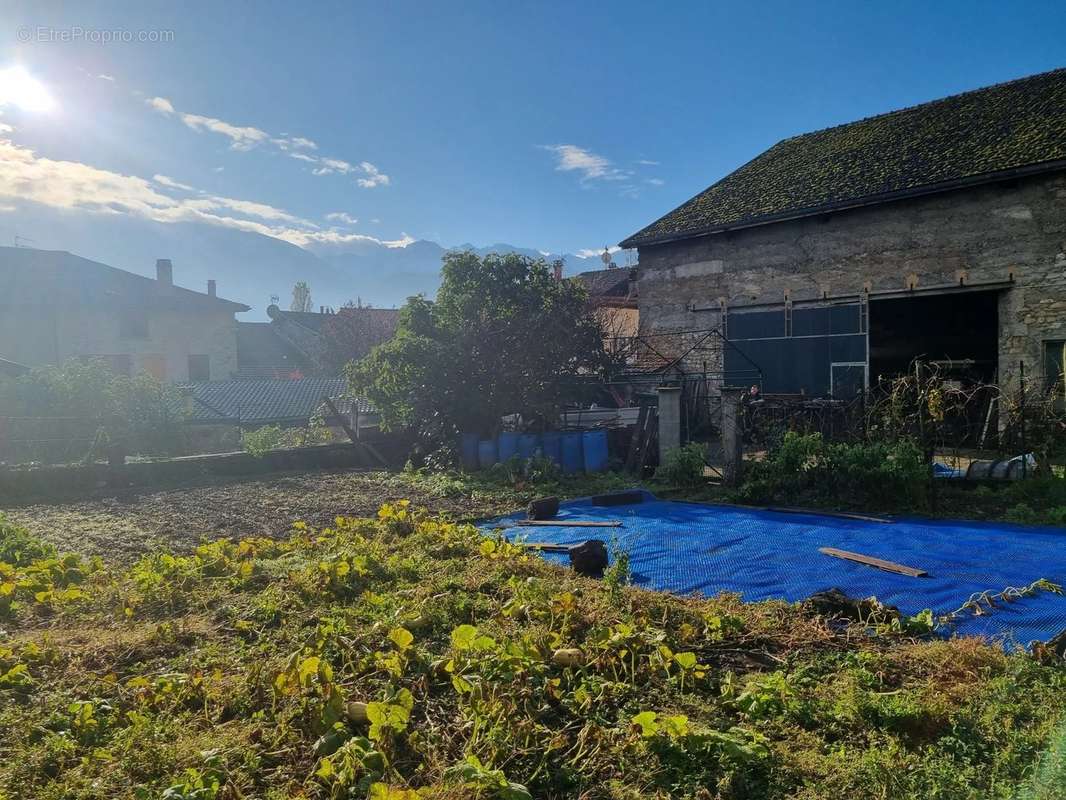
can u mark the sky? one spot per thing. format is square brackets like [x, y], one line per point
[560, 126]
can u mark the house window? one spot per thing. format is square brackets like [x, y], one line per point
[199, 368]
[1055, 364]
[133, 324]
[155, 364]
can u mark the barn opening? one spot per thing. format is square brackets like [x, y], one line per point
[958, 332]
[839, 347]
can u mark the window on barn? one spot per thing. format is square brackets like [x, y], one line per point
[199, 368]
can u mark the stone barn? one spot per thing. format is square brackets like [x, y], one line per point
[935, 232]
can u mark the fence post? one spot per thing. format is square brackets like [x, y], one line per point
[732, 435]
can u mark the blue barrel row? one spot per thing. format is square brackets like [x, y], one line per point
[574, 451]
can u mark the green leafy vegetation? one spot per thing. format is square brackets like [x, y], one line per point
[502, 337]
[804, 469]
[683, 466]
[405, 656]
[273, 437]
[140, 414]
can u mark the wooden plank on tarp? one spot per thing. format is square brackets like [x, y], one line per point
[870, 561]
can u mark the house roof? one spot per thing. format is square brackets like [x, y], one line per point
[56, 278]
[260, 402]
[312, 320]
[12, 369]
[1002, 131]
[607, 282]
[263, 353]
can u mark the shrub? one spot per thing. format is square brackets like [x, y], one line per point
[807, 469]
[261, 440]
[683, 466]
[271, 437]
[19, 547]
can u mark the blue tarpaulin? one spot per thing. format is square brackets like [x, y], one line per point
[683, 548]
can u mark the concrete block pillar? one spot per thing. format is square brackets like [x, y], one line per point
[669, 420]
[732, 434]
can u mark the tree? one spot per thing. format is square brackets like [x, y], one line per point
[353, 332]
[502, 337]
[140, 412]
[301, 297]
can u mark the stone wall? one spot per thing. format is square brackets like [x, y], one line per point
[1014, 230]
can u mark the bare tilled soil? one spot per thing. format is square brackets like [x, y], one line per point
[122, 527]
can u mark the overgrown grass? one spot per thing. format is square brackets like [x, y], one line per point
[406, 656]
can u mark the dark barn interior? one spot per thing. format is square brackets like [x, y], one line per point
[961, 327]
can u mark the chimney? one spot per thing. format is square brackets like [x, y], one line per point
[212, 288]
[557, 266]
[164, 274]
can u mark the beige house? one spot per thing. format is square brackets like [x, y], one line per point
[55, 306]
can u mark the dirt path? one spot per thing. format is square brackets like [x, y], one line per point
[121, 528]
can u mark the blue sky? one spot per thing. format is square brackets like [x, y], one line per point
[560, 126]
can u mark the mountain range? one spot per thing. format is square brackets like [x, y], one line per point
[249, 267]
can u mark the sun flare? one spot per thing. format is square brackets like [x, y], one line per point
[19, 88]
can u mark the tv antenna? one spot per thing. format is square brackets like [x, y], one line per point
[22, 241]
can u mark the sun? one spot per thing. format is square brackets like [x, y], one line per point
[19, 88]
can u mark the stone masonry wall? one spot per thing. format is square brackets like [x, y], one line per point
[989, 233]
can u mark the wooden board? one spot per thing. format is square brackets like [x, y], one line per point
[559, 523]
[870, 561]
[819, 512]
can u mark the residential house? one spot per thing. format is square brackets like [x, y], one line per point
[55, 306]
[297, 344]
[935, 232]
[613, 298]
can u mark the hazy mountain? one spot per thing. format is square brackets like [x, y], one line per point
[249, 267]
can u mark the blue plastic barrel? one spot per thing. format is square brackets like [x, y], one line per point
[468, 450]
[594, 444]
[486, 453]
[570, 447]
[527, 445]
[549, 445]
[508, 445]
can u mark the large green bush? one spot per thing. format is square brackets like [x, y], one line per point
[141, 413]
[683, 466]
[502, 337]
[805, 469]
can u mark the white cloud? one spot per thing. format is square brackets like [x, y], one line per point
[342, 216]
[655, 181]
[241, 138]
[170, 183]
[73, 185]
[591, 252]
[246, 137]
[106, 77]
[646, 163]
[374, 177]
[160, 104]
[331, 165]
[570, 157]
[5, 128]
[591, 166]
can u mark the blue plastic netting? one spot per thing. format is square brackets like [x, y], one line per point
[687, 547]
